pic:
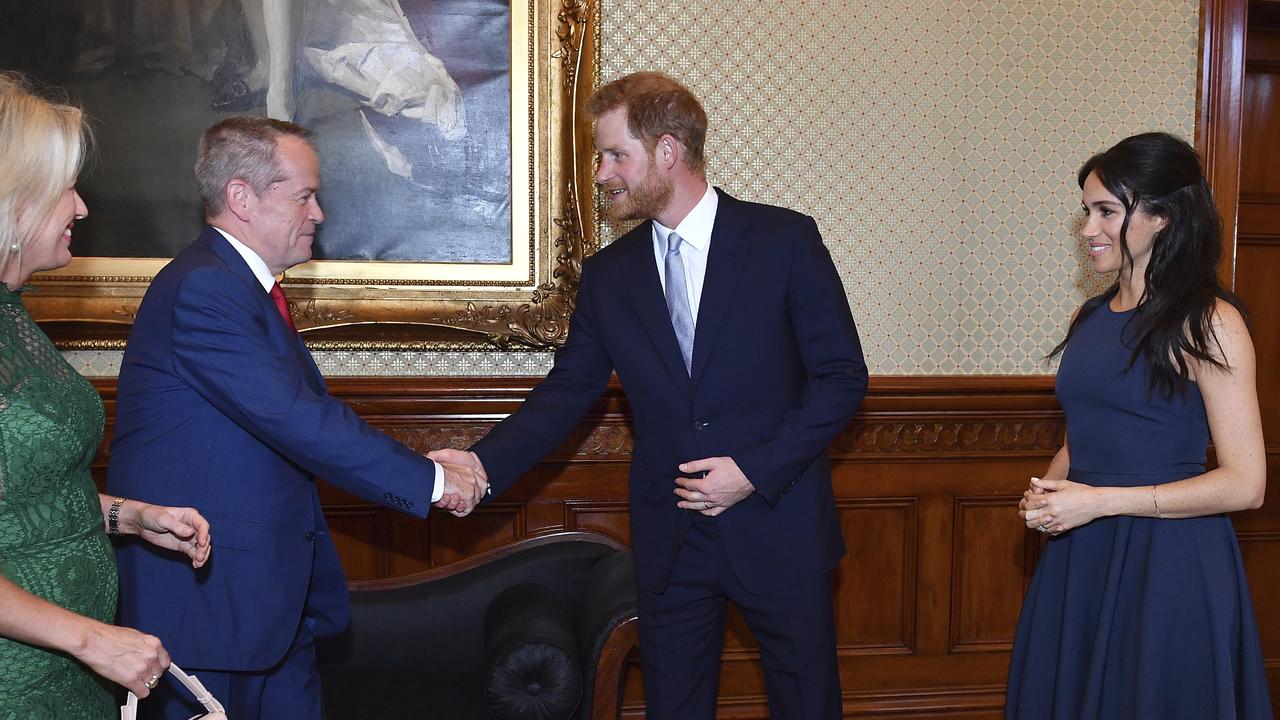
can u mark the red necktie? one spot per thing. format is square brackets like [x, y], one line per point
[277, 294]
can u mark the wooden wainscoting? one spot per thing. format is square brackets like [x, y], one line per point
[927, 479]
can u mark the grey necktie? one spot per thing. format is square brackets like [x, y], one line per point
[678, 300]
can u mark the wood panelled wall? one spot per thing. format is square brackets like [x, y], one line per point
[927, 479]
[1258, 242]
[1257, 267]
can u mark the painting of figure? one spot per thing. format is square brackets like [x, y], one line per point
[410, 102]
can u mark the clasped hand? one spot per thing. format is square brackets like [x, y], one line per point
[1056, 506]
[722, 486]
[465, 481]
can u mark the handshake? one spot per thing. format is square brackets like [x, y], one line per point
[465, 482]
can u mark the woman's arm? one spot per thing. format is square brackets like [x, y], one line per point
[1235, 424]
[122, 655]
[1060, 464]
[182, 529]
[1238, 483]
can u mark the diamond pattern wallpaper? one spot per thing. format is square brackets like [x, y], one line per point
[935, 141]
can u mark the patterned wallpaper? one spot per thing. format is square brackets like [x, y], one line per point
[935, 141]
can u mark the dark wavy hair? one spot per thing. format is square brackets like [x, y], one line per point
[1160, 175]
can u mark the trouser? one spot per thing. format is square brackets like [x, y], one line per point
[290, 689]
[681, 634]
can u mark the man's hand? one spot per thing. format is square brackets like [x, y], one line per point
[465, 482]
[465, 458]
[722, 487]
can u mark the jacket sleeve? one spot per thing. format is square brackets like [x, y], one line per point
[552, 409]
[836, 373]
[221, 351]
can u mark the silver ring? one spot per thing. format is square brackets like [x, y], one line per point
[1043, 528]
[153, 682]
[706, 505]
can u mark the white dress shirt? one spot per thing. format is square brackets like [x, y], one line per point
[264, 276]
[255, 263]
[695, 230]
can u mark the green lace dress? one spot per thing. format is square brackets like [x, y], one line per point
[51, 538]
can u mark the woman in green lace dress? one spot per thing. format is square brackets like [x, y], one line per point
[59, 654]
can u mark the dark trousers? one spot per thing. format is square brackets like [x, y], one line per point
[290, 690]
[682, 635]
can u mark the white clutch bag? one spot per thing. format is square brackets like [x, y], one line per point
[129, 711]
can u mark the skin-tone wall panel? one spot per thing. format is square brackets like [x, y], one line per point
[408, 545]
[1258, 172]
[739, 641]
[1260, 550]
[454, 539]
[1258, 269]
[359, 533]
[1258, 264]
[875, 581]
[989, 552]
[1259, 245]
[608, 519]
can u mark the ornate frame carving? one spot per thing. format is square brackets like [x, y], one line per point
[417, 306]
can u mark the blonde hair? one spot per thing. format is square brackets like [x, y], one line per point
[43, 145]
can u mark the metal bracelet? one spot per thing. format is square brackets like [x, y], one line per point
[1155, 504]
[113, 517]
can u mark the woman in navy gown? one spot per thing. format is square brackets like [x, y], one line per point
[1139, 606]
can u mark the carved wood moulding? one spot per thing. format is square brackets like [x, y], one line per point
[864, 438]
[902, 418]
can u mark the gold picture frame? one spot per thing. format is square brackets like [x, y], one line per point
[393, 305]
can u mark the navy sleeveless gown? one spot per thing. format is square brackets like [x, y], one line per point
[1134, 617]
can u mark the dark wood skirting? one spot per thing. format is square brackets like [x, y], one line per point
[927, 479]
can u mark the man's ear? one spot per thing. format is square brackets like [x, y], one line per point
[669, 152]
[239, 198]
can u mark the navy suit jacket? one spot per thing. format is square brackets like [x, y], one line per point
[777, 373]
[221, 407]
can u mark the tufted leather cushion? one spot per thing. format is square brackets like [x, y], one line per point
[530, 656]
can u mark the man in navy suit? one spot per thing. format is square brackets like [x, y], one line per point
[730, 330]
[221, 405]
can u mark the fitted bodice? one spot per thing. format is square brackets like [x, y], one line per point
[52, 542]
[50, 427]
[1115, 426]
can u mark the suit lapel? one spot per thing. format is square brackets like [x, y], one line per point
[645, 288]
[290, 341]
[725, 262]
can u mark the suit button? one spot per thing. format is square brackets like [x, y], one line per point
[311, 535]
[701, 425]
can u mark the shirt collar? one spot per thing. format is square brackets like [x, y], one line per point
[696, 227]
[255, 263]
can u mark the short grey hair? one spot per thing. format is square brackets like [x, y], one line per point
[241, 147]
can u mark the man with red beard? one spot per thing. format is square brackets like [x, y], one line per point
[730, 330]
